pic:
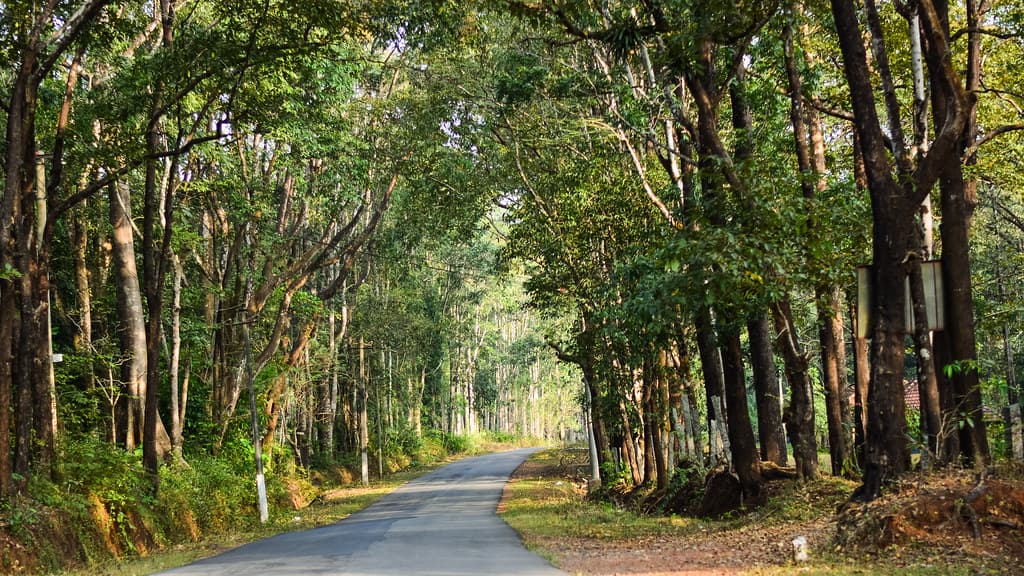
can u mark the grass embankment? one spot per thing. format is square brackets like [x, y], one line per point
[546, 503]
[100, 520]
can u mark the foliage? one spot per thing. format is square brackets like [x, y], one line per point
[461, 209]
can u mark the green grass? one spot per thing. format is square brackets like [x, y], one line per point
[551, 507]
[548, 511]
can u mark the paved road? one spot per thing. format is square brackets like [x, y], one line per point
[442, 523]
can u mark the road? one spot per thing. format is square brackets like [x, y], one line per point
[441, 523]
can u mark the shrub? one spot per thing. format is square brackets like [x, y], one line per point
[459, 443]
[217, 495]
[431, 449]
[112, 475]
[503, 437]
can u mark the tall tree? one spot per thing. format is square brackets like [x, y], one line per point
[41, 36]
[897, 187]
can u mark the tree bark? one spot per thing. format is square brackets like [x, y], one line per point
[272, 408]
[24, 247]
[155, 256]
[862, 378]
[16, 230]
[131, 317]
[741, 433]
[835, 389]
[83, 290]
[647, 418]
[927, 380]
[179, 394]
[629, 446]
[959, 198]
[894, 199]
[767, 392]
[810, 159]
[799, 416]
[711, 367]
[363, 419]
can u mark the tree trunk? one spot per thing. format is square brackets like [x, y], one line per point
[711, 367]
[273, 408]
[959, 198]
[799, 416]
[767, 392]
[886, 451]
[83, 291]
[897, 189]
[862, 377]
[328, 391]
[629, 445]
[835, 389]
[155, 257]
[741, 433]
[838, 338]
[592, 435]
[586, 364]
[684, 429]
[19, 175]
[25, 248]
[132, 328]
[663, 433]
[927, 380]
[949, 431]
[177, 397]
[363, 418]
[647, 417]
[845, 410]
[810, 159]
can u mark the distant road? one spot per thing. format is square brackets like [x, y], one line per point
[442, 523]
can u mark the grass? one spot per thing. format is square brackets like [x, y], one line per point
[549, 506]
[552, 506]
[553, 516]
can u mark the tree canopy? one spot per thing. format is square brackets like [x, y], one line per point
[328, 229]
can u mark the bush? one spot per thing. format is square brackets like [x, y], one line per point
[404, 440]
[502, 437]
[114, 477]
[431, 449]
[218, 497]
[455, 443]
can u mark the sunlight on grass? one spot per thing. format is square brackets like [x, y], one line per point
[550, 507]
[552, 515]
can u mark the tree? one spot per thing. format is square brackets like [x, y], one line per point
[40, 39]
[897, 188]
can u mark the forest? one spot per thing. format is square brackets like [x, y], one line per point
[262, 238]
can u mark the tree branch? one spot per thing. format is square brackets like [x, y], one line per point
[97, 185]
[71, 31]
[973, 149]
[944, 147]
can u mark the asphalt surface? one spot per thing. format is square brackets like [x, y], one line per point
[441, 523]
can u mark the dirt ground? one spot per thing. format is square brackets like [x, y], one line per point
[921, 522]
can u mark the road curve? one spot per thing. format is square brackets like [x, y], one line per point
[441, 523]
